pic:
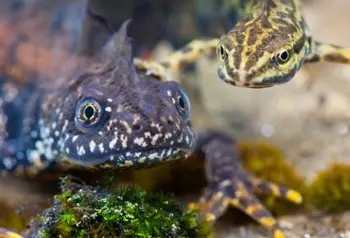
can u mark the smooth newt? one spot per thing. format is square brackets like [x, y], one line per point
[266, 47]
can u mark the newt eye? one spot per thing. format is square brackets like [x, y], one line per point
[88, 113]
[282, 57]
[183, 104]
[221, 52]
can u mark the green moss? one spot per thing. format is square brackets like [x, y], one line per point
[268, 162]
[128, 212]
[330, 190]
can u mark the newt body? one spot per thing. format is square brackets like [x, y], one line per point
[267, 47]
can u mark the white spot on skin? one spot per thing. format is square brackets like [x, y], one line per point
[153, 156]
[101, 148]
[140, 141]
[180, 138]
[53, 126]
[169, 93]
[67, 150]
[64, 128]
[81, 151]
[57, 133]
[187, 139]
[137, 154]
[109, 99]
[124, 140]
[45, 132]
[100, 133]
[92, 146]
[225, 183]
[147, 135]
[74, 138]
[168, 135]
[142, 160]
[155, 138]
[113, 143]
[40, 147]
[8, 163]
[170, 152]
[49, 154]
[108, 109]
[128, 163]
[120, 108]
[136, 118]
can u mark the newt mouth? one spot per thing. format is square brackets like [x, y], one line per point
[133, 158]
[146, 157]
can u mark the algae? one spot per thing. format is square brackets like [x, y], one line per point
[84, 211]
[330, 189]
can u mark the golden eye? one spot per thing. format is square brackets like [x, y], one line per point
[89, 116]
[282, 57]
[88, 111]
[221, 52]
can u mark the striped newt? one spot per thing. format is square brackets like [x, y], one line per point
[266, 47]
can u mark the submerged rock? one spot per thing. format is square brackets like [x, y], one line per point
[85, 211]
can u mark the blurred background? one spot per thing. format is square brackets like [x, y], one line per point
[308, 117]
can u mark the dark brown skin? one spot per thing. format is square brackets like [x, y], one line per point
[26, 51]
[106, 115]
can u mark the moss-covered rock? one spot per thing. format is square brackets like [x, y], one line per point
[330, 189]
[84, 211]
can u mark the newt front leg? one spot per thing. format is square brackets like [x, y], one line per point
[230, 185]
[190, 53]
[329, 53]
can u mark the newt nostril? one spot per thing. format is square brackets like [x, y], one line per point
[136, 127]
[170, 122]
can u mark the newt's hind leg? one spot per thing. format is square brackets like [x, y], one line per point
[322, 52]
[4, 233]
[230, 185]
